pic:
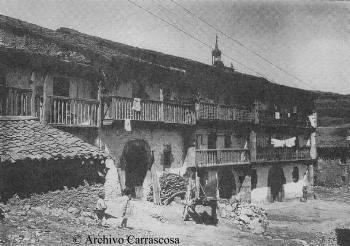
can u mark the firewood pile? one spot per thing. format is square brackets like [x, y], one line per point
[171, 186]
[245, 215]
[83, 197]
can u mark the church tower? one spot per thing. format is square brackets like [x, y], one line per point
[216, 55]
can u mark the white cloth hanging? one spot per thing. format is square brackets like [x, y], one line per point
[313, 120]
[277, 115]
[136, 104]
[161, 97]
[277, 143]
[127, 125]
[290, 142]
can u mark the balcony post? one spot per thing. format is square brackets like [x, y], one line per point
[46, 100]
[99, 109]
[252, 148]
[33, 95]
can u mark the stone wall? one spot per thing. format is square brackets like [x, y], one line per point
[292, 190]
[331, 172]
[115, 137]
[27, 177]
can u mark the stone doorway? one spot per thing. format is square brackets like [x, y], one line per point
[136, 160]
[276, 180]
[227, 183]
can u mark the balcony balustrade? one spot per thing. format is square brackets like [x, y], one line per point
[121, 108]
[15, 101]
[219, 157]
[283, 154]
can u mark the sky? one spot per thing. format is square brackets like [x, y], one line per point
[304, 44]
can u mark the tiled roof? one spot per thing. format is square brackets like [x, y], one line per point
[29, 139]
[332, 137]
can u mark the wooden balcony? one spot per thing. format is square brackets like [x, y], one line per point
[210, 111]
[15, 101]
[73, 111]
[283, 154]
[121, 108]
[269, 118]
[221, 157]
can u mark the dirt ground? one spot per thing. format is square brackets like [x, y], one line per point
[290, 223]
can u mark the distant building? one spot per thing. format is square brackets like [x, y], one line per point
[239, 135]
[333, 151]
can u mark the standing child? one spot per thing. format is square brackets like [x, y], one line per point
[101, 207]
[126, 207]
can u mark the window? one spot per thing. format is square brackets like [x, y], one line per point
[212, 140]
[61, 86]
[295, 174]
[167, 155]
[228, 141]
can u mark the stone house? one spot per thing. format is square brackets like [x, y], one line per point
[157, 113]
[333, 162]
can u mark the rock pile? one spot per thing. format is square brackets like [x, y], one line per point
[245, 215]
[171, 185]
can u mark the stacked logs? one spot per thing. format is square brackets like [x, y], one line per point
[171, 186]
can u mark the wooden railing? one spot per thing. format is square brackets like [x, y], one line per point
[73, 111]
[179, 113]
[210, 111]
[217, 157]
[269, 118]
[283, 154]
[121, 108]
[15, 101]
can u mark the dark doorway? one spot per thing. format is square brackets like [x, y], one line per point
[276, 180]
[136, 160]
[227, 183]
[212, 140]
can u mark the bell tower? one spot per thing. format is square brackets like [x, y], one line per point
[216, 55]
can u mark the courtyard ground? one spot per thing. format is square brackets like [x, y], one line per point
[290, 223]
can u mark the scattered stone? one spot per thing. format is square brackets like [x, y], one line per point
[74, 211]
[246, 215]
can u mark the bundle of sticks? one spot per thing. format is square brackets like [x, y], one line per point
[171, 186]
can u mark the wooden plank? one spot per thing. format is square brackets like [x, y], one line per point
[155, 185]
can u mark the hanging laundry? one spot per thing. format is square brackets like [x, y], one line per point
[127, 125]
[161, 98]
[245, 145]
[295, 109]
[290, 142]
[136, 104]
[277, 115]
[313, 120]
[277, 143]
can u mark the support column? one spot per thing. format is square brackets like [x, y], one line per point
[252, 138]
[46, 100]
[100, 106]
[32, 99]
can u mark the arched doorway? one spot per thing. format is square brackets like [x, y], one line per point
[136, 159]
[227, 183]
[276, 180]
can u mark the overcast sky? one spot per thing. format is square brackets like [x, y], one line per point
[309, 40]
